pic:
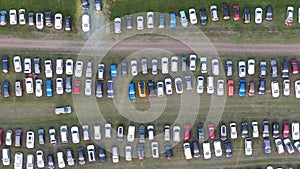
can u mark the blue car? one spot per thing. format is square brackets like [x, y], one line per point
[110, 89]
[113, 71]
[242, 88]
[172, 20]
[131, 91]
[3, 18]
[6, 88]
[267, 146]
[5, 64]
[49, 88]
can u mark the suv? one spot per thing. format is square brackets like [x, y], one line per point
[48, 19]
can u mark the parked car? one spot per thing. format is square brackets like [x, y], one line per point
[248, 146]
[183, 20]
[244, 130]
[31, 19]
[275, 89]
[151, 88]
[289, 16]
[215, 67]
[220, 89]
[30, 140]
[3, 18]
[110, 89]
[91, 153]
[155, 150]
[5, 64]
[98, 6]
[140, 22]
[161, 20]
[297, 145]
[203, 65]
[176, 134]
[8, 137]
[63, 110]
[124, 68]
[200, 84]
[167, 133]
[48, 18]
[178, 85]
[210, 85]
[58, 21]
[269, 13]
[285, 69]
[169, 151]
[142, 133]
[211, 130]
[142, 89]
[29, 85]
[85, 131]
[203, 16]
[13, 17]
[85, 23]
[233, 130]
[18, 137]
[81, 159]
[85, 4]
[294, 65]
[48, 69]
[206, 150]
[196, 149]
[172, 20]
[266, 129]
[225, 11]
[246, 14]
[39, 19]
[288, 145]
[273, 64]
[160, 89]
[279, 146]
[261, 88]
[267, 146]
[230, 87]
[297, 89]
[118, 26]
[59, 86]
[40, 159]
[144, 64]
[18, 88]
[255, 130]
[131, 91]
[242, 68]
[102, 154]
[218, 148]
[120, 133]
[78, 68]
[150, 20]
[18, 160]
[214, 13]
[258, 15]
[17, 64]
[6, 88]
[174, 64]
[68, 23]
[22, 20]
[286, 129]
[229, 68]
[75, 135]
[164, 65]
[68, 85]
[251, 66]
[193, 16]
[168, 86]
[187, 132]
[107, 130]
[187, 151]
[242, 88]
[193, 60]
[154, 65]
[251, 91]
[52, 135]
[223, 132]
[295, 131]
[140, 151]
[128, 153]
[263, 69]
[129, 21]
[30, 161]
[88, 87]
[275, 129]
[101, 71]
[60, 160]
[236, 12]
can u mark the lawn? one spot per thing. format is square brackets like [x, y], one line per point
[224, 31]
[69, 7]
[31, 113]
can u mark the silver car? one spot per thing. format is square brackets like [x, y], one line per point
[124, 69]
[144, 64]
[154, 65]
[68, 88]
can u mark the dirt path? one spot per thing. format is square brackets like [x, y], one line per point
[222, 48]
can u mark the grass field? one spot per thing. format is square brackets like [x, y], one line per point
[31, 113]
[232, 31]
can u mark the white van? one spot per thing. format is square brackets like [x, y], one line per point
[210, 85]
[187, 151]
[131, 133]
[6, 157]
[64, 134]
[60, 160]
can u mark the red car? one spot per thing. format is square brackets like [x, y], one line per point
[230, 85]
[187, 132]
[76, 87]
[211, 130]
[1, 131]
[286, 129]
[236, 12]
[294, 66]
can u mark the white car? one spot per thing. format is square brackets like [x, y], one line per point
[88, 87]
[150, 129]
[176, 134]
[220, 87]
[295, 131]
[29, 85]
[58, 21]
[214, 13]
[69, 67]
[193, 16]
[128, 153]
[150, 20]
[27, 65]
[242, 68]
[39, 19]
[167, 133]
[18, 88]
[134, 71]
[59, 86]
[155, 150]
[193, 59]
[200, 84]
[5, 156]
[48, 69]
[233, 130]
[251, 67]
[89, 70]
[115, 154]
[258, 15]
[117, 23]
[206, 150]
[60, 160]
[38, 87]
[64, 134]
[210, 85]
[17, 64]
[183, 20]
[160, 89]
[52, 135]
[286, 87]
[178, 85]
[59, 66]
[22, 19]
[75, 134]
[131, 133]
[154, 65]
[174, 64]
[144, 64]
[168, 86]
[85, 131]
[8, 138]
[275, 89]
[248, 146]
[30, 161]
[100, 71]
[298, 15]
[203, 65]
[140, 22]
[18, 163]
[255, 131]
[215, 67]
[85, 23]
[78, 68]
[91, 153]
[40, 162]
[30, 139]
[218, 148]
[97, 132]
[288, 145]
[279, 146]
[107, 130]
[187, 151]
[164, 65]
[13, 17]
[297, 145]
[297, 89]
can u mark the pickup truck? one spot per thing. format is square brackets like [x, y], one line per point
[63, 110]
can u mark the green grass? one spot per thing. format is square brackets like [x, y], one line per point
[70, 7]
[225, 31]
[31, 113]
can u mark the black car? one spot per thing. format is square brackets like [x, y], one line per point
[196, 150]
[48, 19]
[244, 129]
[269, 13]
[85, 4]
[246, 15]
[275, 126]
[228, 148]
[81, 159]
[142, 132]
[68, 23]
[6, 88]
[151, 88]
[261, 88]
[169, 151]
[5, 64]
[225, 10]
[200, 132]
[285, 69]
[102, 154]
[203, 16]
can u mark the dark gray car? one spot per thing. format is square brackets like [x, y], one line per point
[48, 18]
[31, 19]
[140, 151]
[203, 16]
[18, 138]
[261, 89]
[99, 89]
[129, 22]
[50, 159]
[6, 92]
[196, 150]
[269, 13]
[68, 23]
[68, 88]
[124, 69]
[244, 129]
[81, 159]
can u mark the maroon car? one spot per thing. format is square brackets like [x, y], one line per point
[286, 129]
[294, 66]
[211, 130]
[236, 12]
